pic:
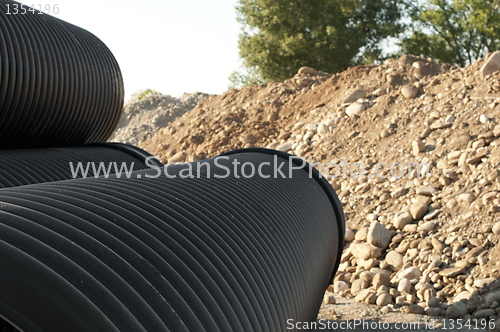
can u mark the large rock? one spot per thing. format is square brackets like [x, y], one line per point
[378, 235]
[354, 95]
[492, 64]
[365, 251]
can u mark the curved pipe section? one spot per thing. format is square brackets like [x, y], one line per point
[201, 246]
[59, 84]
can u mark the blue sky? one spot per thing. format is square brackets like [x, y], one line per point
[169, 46]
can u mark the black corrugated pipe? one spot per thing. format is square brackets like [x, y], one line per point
[59, 84]
[224, 251]
[31, 166]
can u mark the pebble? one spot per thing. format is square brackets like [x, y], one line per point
[323, 129]
[410, 273]
[441, 125]
[438, 245]
[380, 279]
[361, 235]
[433, 302]
[365, 251]
[496, 228]
[246, 138]
[465, 199]
[465, 295]
[484, 313]
[402, 219]
[451, 272]
[484, 119]
[178, 157]
[355, 109]
[307, 71]
[417, 147]
[426, 191]
[339, 286]
[349, 235]
[456, 310]
[414, 309]
[426, 227]
[409, 91]
[431, 215]
[384, 299]
[492, 297]
[480, 283]
[395, 260]
[285, 146]
[329, 299]
[404, 285]
[378, 235]
[492, 64]
[418, 210]
[354, 95]
[433, 311]
[357, 286]
[363, 295]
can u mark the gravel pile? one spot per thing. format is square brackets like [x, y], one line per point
[425, 245]
[141, 119]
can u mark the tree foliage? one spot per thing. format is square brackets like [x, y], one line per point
[453, 31]
[280, 36]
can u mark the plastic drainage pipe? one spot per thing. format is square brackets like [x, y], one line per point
[59, 84]
[23, 167]
[222, 251]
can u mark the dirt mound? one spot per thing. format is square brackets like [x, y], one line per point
[416, 244]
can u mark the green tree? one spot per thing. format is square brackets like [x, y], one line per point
[457, 32]
[280, 36]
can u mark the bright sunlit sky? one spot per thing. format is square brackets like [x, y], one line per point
[170, 46]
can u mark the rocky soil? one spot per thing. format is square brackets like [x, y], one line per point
[141, 119]
[425, 246]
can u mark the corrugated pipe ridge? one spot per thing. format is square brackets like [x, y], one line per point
[31, 166]
[150, 253]
[59, 84]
